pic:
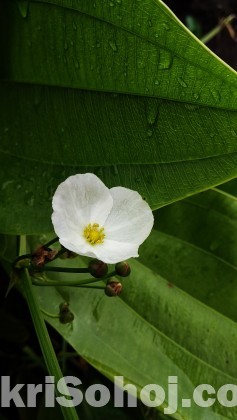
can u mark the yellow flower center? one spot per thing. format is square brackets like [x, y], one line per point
[94, 234]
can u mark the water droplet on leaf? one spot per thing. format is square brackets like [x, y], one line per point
[166, 26]
[76, 63]
[182, 82]
[23, 7]
[165, 60]
[113, 46]
[29, 199]
[152, 111]
[115, 168]
[216, 95]
[191, 107]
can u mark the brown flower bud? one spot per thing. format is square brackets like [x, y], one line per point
[113, 288]
[123, 269]
[65, 315]
[98, 268]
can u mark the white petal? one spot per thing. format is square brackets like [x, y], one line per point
[112, 252]
[78, 201]
[130, 219]
[82, 248]
[83, 198]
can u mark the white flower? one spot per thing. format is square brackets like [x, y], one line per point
[93, 220]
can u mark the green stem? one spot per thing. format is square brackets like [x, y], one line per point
[60, 252]
[63, 360]
[69, 413]
[21, 257]
[206, 38]
[53, 283]
[51, 242]
[62, 269]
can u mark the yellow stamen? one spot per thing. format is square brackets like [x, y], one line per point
[94, 234]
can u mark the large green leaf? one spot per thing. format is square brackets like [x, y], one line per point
[166, 331]
[155, 331]
[120, 88]
[177, 313]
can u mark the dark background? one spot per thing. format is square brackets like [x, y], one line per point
[207, 14]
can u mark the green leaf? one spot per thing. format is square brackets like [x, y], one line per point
[194, 246]
[152, 320]
[165, 331]
[176, 315]
[118, 88]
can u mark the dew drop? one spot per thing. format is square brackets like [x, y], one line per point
[182, 83]
[23, 7]
[157, 82]
[115, 168]
[166, 26]
[149, 132]
[74, 25]
[191, 107]
[216, 95]
[6, 183]
[152, 111]
[165, 60]
[76, 63]
[196, 96]
[113, 46]
[29, 199]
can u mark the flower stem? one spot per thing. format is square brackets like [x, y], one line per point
[55, 283]
[76, 283]
[51, 242]
[63, 269]
[69, 413]
[224, 23]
